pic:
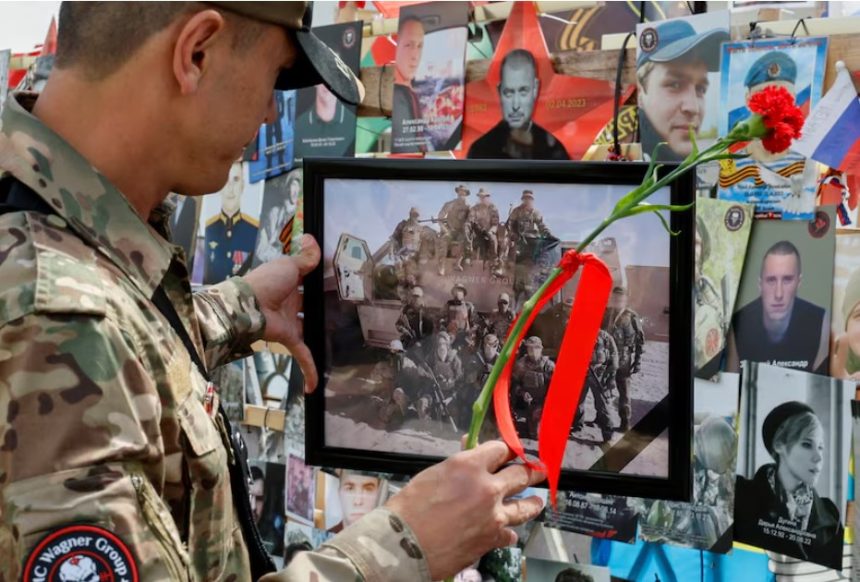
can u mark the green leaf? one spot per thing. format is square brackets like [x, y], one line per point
[645, 207]
[726, 157]
[666, 225]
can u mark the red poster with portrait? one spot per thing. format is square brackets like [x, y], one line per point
[523, 109]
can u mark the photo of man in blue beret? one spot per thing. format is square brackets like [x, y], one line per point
[773, 69]
[672, 68]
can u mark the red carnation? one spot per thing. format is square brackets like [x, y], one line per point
[782, 118]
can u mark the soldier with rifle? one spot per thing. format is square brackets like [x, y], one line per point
[452, 229]
[445, 372]
[414, 323]
[600, 381]
[529, 383]
[625, 327]
[482, 224]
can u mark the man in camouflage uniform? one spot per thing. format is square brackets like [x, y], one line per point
[452, 229]
[443, 373]
[526, 227]
[710, 321]
[414, 323]
[399, 378]
[529, 383]
[459, 315]
[625, 327]
[111, 438]
[600, 381]
[501, 319]
[482, 225]
[407, 235]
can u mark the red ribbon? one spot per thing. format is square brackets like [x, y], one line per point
[574, 357]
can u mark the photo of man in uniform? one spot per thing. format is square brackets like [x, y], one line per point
[672, 83]
[231, 235]
[359, 494]
[778, 327]
[516, 136]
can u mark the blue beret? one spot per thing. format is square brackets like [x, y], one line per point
[773, 66]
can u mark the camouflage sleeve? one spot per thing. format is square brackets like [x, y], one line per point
[378, 548]
[230, 320]
[79, 414]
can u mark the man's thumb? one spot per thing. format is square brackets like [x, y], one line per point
[309, 257]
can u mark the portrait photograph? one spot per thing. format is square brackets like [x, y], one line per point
[422, 278]
[793, 455]
[229, 224]
[783, 184]
[523, 109]
[275, 141]
[325, 126]
[429, 77]
[300, 489]
[722, 235]
[705, 523]
[782, 313]
[678, 83]
[845, 321]
[280, 203]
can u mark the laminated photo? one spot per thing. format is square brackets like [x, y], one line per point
[277, 218]
[523, 109]
[793, 457]
[325, 126]
[356, 494]
[706, 522]
[781, 185]
[722, 234]
[845, 360]
[678, 83]
[267, 503]
[782, 311]
[300, 490]
[275, 141]
[606, 517]
[229, 223]
[429, 77]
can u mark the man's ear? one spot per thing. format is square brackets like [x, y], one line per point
[192, 53]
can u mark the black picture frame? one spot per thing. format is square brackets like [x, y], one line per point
[673, 414]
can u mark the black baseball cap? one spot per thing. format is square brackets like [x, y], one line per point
[316, 63]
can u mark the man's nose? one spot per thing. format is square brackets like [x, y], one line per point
[690, 101]
[779, 290]
[272, 111]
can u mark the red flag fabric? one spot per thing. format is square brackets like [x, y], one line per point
[565, 388]
[50, 46]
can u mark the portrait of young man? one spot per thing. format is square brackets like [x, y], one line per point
[358, 494]
[124, 434]
[517, 136]
[675, 68]
[782, 321]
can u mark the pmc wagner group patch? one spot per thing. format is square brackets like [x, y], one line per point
[80, 553]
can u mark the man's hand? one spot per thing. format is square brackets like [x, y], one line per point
[276, 286]
[459, 509]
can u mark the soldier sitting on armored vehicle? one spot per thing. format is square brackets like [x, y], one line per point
[625, 326]
[411, 245]
[481, 227]
[414, 323]
[526, 227]
[459, 315]
[600, 381]
[452, 229]
[529, 383]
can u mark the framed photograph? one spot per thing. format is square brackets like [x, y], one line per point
[425, 264]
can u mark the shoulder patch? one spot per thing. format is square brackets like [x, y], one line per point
[80, 552]
[213, 219]
[250, 220]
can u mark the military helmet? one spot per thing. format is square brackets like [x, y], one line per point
[706, 238]
[459, 286]
[491, 341]
[396, 346]
[417, 292]
[527, 194]
[534, 341]
[504, 297]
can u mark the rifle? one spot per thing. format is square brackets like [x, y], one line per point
[441, 406]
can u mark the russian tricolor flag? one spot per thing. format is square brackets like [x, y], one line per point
[831, 134]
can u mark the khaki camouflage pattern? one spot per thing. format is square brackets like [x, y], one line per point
[710, 323]
[102, 418]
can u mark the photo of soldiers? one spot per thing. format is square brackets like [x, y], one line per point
[407, 366]
[625, 327]
[722, 235]
[529, 383]
[782, 316]
[600, 382]
[452, 230]
[779, 184]
[229, 227]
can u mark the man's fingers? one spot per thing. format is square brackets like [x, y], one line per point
[303, 356]
[507, 537]
[309, 257]
[514, 478]
[520, 511]
[491, 455]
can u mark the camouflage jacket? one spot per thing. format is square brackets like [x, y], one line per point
[105, 437]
